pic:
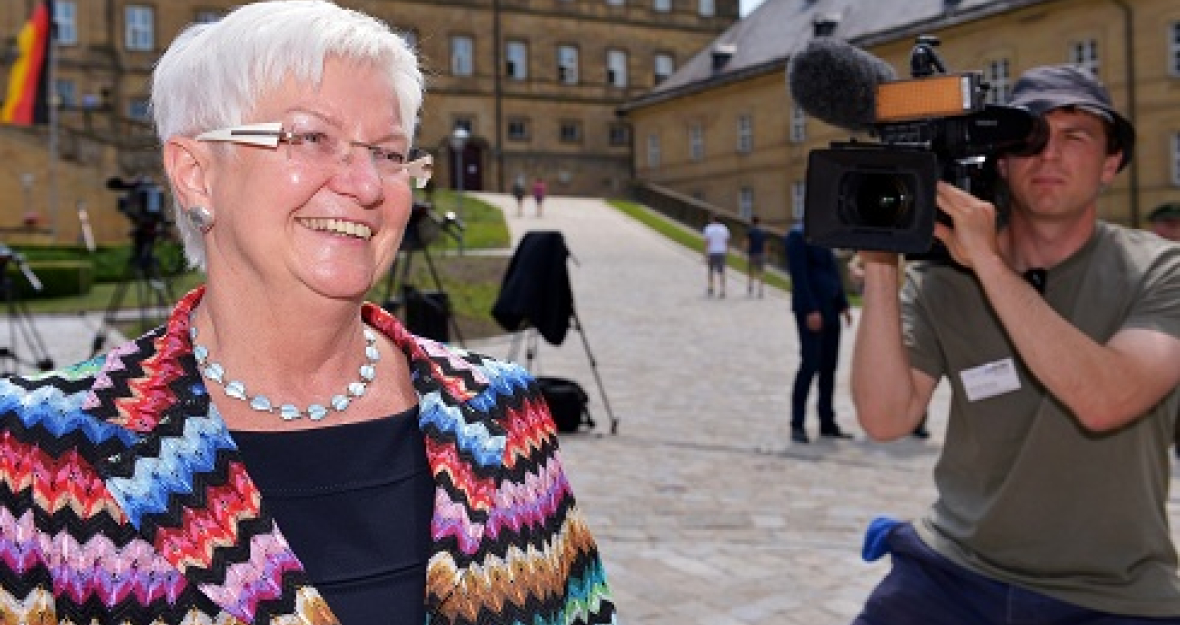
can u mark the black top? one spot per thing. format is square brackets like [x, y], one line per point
[355, 502]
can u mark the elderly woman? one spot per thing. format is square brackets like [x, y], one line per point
[281, 451]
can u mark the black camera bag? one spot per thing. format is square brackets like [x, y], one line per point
[567, 403]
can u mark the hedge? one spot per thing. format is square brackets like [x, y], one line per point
[58, 278]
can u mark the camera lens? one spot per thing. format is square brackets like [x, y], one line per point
[880, 200]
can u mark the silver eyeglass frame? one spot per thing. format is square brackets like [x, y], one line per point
[270, 134]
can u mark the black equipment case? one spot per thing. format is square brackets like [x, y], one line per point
[568, 403]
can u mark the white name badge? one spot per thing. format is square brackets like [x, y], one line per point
[990, 380]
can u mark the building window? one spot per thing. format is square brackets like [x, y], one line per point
[138, 109]
[620, 134]
[516, 60]
[616, 3]
[653, 150]
[1084, 54]
[745, 134]
[661, 6]
[462, 56]
[664, 65]
[998, 74]
[696, 143]
[1174, 49]
[570, 132]
[567, 65]
[798, 197]
[67, 93]
[707, 8]
[1176, 159]
[208, 16]
[65, 17]
[616, 68]
[798, 124]
[518, 129]
[140, 35]
[745, 202]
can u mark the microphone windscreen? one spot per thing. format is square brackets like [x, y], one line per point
[836, 82]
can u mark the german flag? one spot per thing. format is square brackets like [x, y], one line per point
[27, 99]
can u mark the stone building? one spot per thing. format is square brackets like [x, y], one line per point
[724, 132]
[535, 85]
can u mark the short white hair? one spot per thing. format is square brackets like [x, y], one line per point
[212, 73]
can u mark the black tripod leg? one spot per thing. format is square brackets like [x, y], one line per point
[395, 281]
[108, 318]
[159, 286]
[438, 285]
[22, 331]
[24, 320]
[391, 282]
[614, 422]
[532, 343]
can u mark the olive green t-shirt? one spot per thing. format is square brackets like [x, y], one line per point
[1026, 495]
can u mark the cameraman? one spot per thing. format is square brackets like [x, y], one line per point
[1060, 338]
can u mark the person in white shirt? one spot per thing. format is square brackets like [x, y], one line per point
[716, 246]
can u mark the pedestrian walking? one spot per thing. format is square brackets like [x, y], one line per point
[540, 189]
[755, 257]
[716, 248]
[518, 192]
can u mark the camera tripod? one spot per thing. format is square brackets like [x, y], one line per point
[423, 313]
[152, 289]
[21, 330]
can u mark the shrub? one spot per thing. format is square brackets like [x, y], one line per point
[58, 278]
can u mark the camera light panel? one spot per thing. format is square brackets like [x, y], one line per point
[924, 98]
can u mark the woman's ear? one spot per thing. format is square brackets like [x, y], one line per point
[186, 161]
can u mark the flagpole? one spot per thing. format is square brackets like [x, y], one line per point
[51, 169]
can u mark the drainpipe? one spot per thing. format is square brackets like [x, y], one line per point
[498, 62]
[1129, 43]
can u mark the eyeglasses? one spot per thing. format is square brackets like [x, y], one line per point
[324, 149]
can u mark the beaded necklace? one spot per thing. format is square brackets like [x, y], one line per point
[236, 389]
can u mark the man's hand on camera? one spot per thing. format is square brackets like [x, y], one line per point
[973, 236]
[869, 257]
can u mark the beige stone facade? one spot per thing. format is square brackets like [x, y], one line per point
[524, 121]
[1134, 45]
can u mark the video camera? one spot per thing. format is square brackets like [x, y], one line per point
[142, 201]
[425, 226]
[935, 126]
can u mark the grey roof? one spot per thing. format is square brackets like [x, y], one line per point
[765, 39]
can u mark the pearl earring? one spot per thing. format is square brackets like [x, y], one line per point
[200, 217]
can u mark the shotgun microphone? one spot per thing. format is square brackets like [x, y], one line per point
[836, 82]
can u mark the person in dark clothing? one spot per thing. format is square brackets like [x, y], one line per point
[755, 256]
[818, 300]
[518, 192]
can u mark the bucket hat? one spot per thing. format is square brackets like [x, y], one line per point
[1043, 89]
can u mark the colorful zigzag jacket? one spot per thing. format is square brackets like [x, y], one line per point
[123, 498]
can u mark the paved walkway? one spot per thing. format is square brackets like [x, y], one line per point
[704, 512]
